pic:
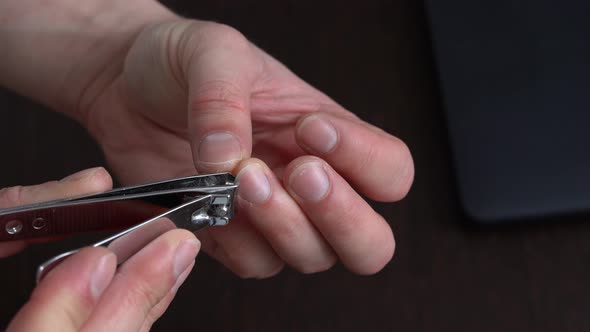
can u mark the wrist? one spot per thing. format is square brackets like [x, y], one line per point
[63, 53]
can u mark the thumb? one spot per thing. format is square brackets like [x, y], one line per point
[65, 299]
[196, 78]
[220, 78]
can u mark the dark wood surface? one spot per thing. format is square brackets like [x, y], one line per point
[373, 57]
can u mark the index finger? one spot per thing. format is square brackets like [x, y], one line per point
[84, 182]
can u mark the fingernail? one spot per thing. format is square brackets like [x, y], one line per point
[310, 181]
[182, 277]
[102, 274]
[80, 175]
[218, 150]
[317, 134]
[254, 185]
[185, 255]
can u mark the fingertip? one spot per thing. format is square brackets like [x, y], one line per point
[255, 186]
[182, 277]
[178, 235]
[402, 180]
[87, 272]
[67, 296]
[379, 260]
[103, 273]
[396, 183]
[99, 180]
[180, 244]
[87, 181]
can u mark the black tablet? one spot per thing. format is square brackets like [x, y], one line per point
[515, 81]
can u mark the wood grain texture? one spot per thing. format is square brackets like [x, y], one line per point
[374, 57]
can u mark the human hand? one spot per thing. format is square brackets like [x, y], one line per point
[85, 182]
[84, 291]
[150, 92]
[87, 291]
[195, 94]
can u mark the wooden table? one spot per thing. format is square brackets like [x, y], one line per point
[374, 58]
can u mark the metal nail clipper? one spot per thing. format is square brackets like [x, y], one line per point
[147, 210]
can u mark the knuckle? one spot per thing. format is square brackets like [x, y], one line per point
[216, 95]
[202, 37]
[71, 314]
[210, 38]
[224, 34]
[143, 295]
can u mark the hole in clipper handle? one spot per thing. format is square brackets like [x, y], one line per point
[14, 227]
[39, 223]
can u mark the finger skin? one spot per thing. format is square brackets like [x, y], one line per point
[376, 163]
[11, 248]
[141, 283]
[220, 81]
[159, 309]
[241, 249]
[89, 181]
[203, 70]
[361, 238]
[65, 299]
[289, 231]
[85, 182]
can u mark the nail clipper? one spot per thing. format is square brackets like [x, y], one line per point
[148, 211]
